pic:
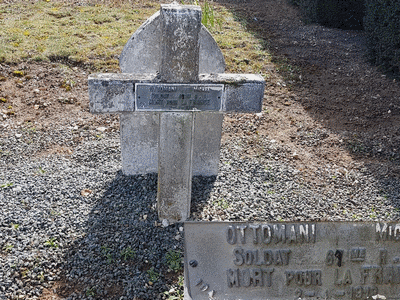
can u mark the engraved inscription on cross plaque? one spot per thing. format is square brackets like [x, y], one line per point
[279, 260]
[178, 97]
[184, 100]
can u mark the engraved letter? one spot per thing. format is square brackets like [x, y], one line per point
[313, 233]
[357, 292]
[268, 257]
[255, 237]
[245, 277]
[231, 235]
[303, 233]
[280, 233]
[330, 257]
[388, 273]
[278, 258]
[397, 232]
[233, 279]
[266, 234]
[377, 277]
[256, 276]
[364, 274]
[292, 234]
[357, 254]
[381, 232]
[317, 277]
[268, 275]
[285, 256]
[289, 276]
[347, 278]
[259, 259]
[239, 256]
[299, 277]
[337, 281]
[308, 277]
[242, 237]
[248, 257]
[396, 274]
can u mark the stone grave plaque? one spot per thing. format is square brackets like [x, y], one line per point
[178, 97]
[310, 260]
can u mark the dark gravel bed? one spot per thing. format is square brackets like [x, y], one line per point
[74, 226]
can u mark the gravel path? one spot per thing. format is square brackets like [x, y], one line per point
[75, 227]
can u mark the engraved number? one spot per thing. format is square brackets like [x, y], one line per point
[330, 258]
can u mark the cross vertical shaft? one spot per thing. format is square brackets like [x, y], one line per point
[179, 64]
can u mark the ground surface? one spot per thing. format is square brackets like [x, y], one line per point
[326, 146]
[323, 101]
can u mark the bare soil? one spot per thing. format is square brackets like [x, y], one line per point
[325, 103]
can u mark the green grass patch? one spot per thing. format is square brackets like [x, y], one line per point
[94, 35]
[243, 52]
[174, 260]
[55, 31]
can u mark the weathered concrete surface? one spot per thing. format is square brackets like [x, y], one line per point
[133, 141]
[142, 52]
[114, 93]
[207, 137]
[278, 260]
[242, 92]
[180, 26]
[179, 64]
[175, 166]
[141, 55]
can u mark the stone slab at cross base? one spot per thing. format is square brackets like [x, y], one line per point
[141, 55]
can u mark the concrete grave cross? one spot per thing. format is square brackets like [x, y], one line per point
[187, 103]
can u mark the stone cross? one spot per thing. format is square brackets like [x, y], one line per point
[169, 106]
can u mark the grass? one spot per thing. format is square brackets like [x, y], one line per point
[8, 247]
[152, 275]
[174, 260]
[91, 292]
[51, 243]
[107, 253]
[222, 203]
[94, 35]
[127, 253]
[243, 52]
[6, 185]
[56, 31]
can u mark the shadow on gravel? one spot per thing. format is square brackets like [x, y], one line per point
[328, 72]
[123, 249]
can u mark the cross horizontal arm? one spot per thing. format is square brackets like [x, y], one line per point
[117, 93]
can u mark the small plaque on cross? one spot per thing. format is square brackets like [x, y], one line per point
[178, 97]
